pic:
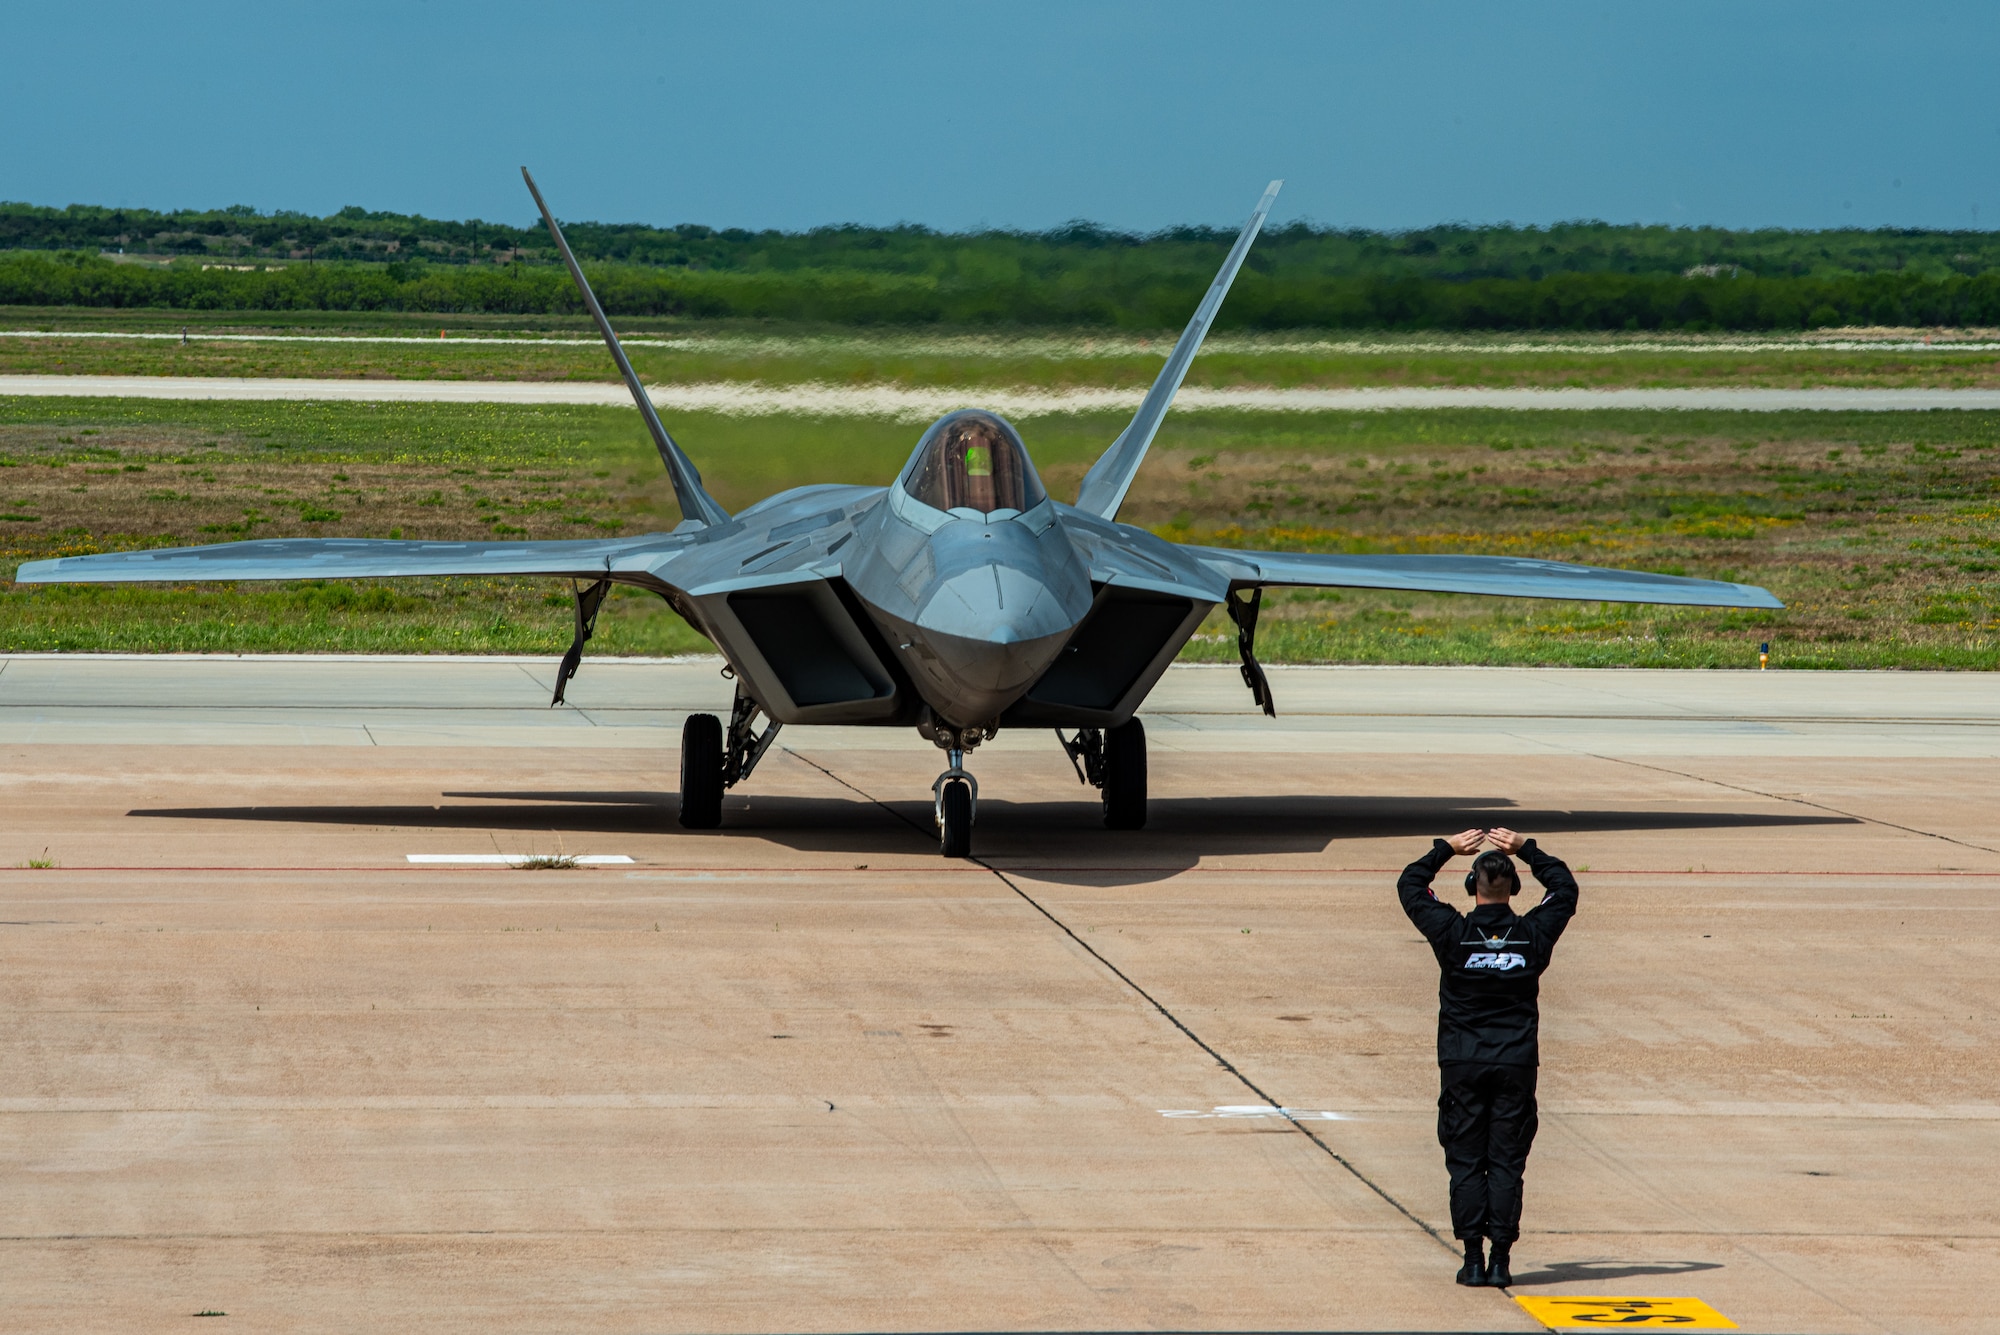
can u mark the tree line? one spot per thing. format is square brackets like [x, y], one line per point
[1128, 296]
[1296, 251]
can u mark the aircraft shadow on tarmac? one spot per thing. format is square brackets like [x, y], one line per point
[1060, 841]
[1571, 1272]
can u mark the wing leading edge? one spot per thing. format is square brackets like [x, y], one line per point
[1503, 576]
[344, 558]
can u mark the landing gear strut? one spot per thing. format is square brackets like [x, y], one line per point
[1114, 761]
[588, 601]
[711, 761]
[1243, 611]
[955, 795]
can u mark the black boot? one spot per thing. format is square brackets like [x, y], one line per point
[1473, 1273]
[1498, 1274]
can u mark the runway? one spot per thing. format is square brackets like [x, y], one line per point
[747, 398]
[799, 1074]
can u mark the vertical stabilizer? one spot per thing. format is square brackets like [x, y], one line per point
[696, 504]
[1105, 485]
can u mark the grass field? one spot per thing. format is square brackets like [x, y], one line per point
[1881, 531]
[565, 350]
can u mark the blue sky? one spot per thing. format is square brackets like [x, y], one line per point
[1022, 114]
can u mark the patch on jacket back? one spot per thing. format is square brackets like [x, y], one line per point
[1498, 960]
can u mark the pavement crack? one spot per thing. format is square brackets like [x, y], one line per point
[1235, 1072]
[1801, 801]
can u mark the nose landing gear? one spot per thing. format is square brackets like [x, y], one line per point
[955, 795]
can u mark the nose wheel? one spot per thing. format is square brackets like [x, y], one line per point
[956, 795]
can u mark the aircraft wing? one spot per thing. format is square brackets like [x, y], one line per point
[1504, 576]
[346, 558]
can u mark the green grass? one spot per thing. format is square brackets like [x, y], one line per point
[1881, 531]
[456, 616]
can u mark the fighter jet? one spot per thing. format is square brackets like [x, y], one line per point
[959, 600]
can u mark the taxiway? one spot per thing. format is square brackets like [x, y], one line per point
[800, 1074]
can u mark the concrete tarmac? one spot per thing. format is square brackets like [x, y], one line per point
[922, 403]
[800, 1074]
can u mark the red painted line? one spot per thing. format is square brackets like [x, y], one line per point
[436, 868]
[156, 867]
[1594, 871]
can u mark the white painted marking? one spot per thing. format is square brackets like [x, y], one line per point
[512, 859]
[1247, 1110]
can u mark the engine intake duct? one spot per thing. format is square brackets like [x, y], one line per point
[1112, 660]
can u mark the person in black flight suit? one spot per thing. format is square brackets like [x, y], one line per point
[1491, 963]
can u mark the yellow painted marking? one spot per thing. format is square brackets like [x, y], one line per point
[1571, 1313]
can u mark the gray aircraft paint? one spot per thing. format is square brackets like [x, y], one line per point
[863, 605]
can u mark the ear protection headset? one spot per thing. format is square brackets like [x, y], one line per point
[1498, 867]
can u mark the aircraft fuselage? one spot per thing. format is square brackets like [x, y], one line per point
[945, 600]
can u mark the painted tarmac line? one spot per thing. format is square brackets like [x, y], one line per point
[663, 874]
[514, 859]
[1232, 869]
[1241, 1111]
[999, 864]
[1094, 1106]
[149, 1167]
[1151, 1002]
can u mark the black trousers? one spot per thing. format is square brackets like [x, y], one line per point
[1486, 1123]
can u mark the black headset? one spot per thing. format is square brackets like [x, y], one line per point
[1497, 866]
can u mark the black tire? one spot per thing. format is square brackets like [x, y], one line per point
[1125, 776]
[701, 772]
[955, 832]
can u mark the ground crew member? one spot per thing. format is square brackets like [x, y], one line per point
[1491, 963]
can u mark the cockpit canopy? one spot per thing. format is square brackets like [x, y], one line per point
[973, 460]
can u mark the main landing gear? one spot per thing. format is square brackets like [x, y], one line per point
[1114, 761]
[712, 761]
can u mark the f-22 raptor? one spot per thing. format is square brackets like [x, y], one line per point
[959, 600]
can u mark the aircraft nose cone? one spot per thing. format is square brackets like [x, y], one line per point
[997, 604]
[992, 630]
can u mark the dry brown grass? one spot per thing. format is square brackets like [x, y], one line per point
[1881, 531]
[147, 483]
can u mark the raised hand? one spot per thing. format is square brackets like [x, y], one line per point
[1506, 840]
[1467, 841]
